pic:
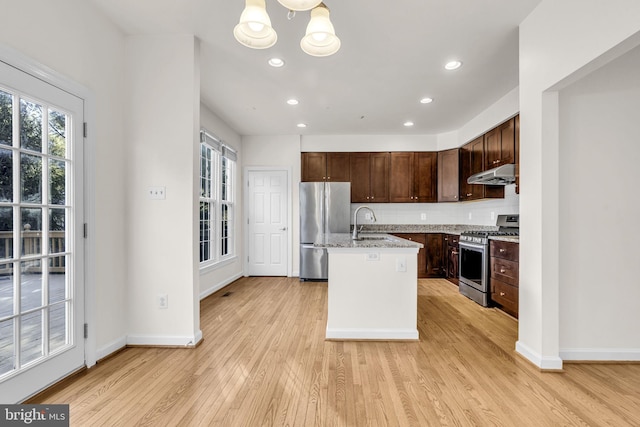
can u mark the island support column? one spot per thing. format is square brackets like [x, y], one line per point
[373, 294]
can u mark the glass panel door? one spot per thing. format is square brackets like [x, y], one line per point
[41, 281]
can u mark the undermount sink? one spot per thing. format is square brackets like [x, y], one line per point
[365, 237]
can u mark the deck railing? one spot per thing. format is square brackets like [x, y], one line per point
[31, 244]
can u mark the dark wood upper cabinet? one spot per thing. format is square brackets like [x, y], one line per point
[500, 145]
[332, 167]
[448, 175]
[472, 156]
[413, 177]
[338, 167]
[369, 177]
[517, 136]
[314, 166]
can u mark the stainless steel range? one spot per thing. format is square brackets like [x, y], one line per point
[474, 258]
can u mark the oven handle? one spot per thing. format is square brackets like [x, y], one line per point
[472, 246]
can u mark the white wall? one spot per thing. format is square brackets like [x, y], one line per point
[279, 151]
[599, 210]
[213, 279]
[558, 41]
[77, 41]
[162, 123]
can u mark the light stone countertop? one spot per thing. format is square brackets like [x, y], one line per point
[424, 228]
[343, 240]
[512, 239]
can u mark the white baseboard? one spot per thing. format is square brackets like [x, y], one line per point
[220, 285]
[112, 347]
[372, 334]
[543, 362]
[601, 354]
[295, 273]
[165, 340]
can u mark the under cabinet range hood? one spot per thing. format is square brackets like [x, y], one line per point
[502, 175]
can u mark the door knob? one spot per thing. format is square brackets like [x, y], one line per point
[283, 229]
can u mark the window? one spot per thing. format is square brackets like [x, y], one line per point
[217, 179]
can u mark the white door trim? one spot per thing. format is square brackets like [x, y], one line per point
[21, 62]
[245, 204]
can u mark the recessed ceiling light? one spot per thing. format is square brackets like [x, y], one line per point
[302, 125]
[292, 101]
[276, 62]
[453, 65]
[408, 124]
[426, 100]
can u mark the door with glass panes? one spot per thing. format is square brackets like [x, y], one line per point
[41, 263]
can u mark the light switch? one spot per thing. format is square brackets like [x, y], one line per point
[157, 193]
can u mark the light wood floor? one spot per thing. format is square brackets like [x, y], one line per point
[264, 361]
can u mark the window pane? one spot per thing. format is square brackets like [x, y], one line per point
[6, 118]
[224, 230]
[30, 125]
[31, 337]
[31, 178]
[30, 285]
[7, 347]
[57, 170]
[57, 235]
[57, 326]
[205, 230]
[57, 133]
[6, 175]
[57, 279]
[31, 231]
[6, 290]
[6, 233]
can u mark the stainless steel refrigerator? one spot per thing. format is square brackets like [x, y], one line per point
[325, 207]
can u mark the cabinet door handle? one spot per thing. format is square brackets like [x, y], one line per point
[454, 253]
[502, 270]
[328, 177]
[502, 250]
[469, 194]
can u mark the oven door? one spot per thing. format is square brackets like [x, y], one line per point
[474, 272]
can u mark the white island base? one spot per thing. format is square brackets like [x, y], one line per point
[373, 293]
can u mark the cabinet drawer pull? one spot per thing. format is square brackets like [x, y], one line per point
[502, 250]
[502, 294]
[469, 194]
[502, 270]
[328, 177]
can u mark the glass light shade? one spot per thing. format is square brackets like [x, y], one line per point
[299, 5]
[320, 38]
[254, 29]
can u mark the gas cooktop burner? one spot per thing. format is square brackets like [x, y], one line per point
[508, 226]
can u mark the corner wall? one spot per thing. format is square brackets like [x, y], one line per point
[599, 210]
[557, 43]
[162, 122]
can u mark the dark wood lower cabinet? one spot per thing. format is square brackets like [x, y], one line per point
[434, 254]
[504, 281]
[450, 265]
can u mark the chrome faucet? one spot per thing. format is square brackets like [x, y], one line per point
[354, 236]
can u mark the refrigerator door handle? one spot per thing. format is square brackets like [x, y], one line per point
[309, 247]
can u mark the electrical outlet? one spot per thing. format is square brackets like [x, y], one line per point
[157, 193]
[401, 264]
[423, 216]
[367, 216]
[493, 215]
[163, 301]
[469, 215]
[373, 256]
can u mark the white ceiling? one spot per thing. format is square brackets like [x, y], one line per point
[392, 55]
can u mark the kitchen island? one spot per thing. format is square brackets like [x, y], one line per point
[373, 287]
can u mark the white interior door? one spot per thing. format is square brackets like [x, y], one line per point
[41, 239]
[268, 223]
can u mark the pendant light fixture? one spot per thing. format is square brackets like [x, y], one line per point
[320, 38]
[299, 5]
[254, 29]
